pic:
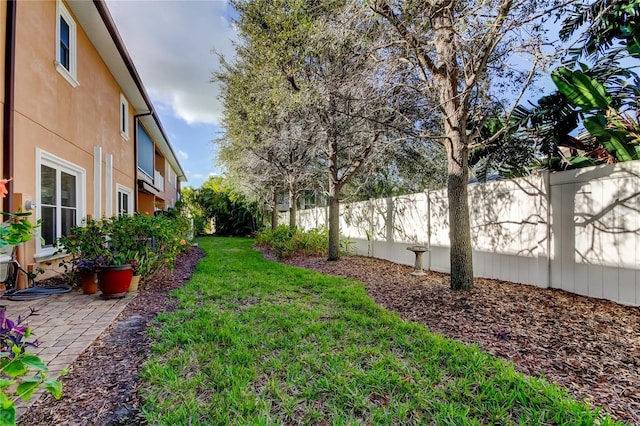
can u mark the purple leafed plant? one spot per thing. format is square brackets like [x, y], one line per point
[15, 365]
[14, 333]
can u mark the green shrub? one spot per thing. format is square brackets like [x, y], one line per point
[147, 242]
[287, 242]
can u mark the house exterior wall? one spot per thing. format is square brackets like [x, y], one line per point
[72, 123]
[577, 230]
[146, 204]
[165, 180]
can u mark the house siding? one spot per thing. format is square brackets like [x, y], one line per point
[80, 125]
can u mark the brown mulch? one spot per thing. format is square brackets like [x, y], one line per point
[101, 387]
[590, 347]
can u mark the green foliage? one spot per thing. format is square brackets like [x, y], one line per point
[580, 90]
[262, 343]
[288, 242]
[610, 23]
[619, 133]
[232, 213]
[15, 365]
[147, 242]
[188, 206]
[499, 152]
[18, 230]
[603, 93]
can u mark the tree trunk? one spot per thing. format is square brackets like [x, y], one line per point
[274, 210]
[455, 126]
[459, 226]
[334, 222]
[334, 202]
[293, 207]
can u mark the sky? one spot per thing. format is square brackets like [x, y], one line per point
[174, 45]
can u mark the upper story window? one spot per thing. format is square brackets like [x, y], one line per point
[124, 117]
[66, 45]
[146, 152]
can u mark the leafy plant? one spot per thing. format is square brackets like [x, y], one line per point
[18, 229]
[288, 242]
[231, 212]
[616, 130]
[84, 244]
[15, 364]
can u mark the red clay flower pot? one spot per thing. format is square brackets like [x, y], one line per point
[114, 280]
[89, 282]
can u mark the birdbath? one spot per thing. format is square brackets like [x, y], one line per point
[419, 251]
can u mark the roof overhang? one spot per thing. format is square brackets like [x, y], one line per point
[98, 24]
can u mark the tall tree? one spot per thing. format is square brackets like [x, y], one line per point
[449, 47]
[321, 58]
[262, 146]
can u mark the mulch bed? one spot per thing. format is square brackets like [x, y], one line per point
[590, 347]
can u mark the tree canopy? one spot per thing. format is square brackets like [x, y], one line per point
[378, 97]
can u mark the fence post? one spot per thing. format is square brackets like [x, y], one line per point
[429, 229]
[546, 188]
[370, 237]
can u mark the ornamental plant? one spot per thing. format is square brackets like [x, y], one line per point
[18, 229]
[146, 243]
[15, 361]
[15, 364]
[84, 244]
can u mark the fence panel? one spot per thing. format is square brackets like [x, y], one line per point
[577, 230]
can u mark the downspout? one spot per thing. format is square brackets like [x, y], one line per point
[9, 102]
[135, 158]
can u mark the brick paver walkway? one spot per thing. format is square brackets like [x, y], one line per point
[65, 324]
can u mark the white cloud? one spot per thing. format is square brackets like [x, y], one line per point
[171, 44]
[183, 155]
[196, 175]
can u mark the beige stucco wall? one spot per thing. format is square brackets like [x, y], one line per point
[65, 121]
[146, 204]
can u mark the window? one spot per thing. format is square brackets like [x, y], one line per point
[66, 45]
[146, 152]
[125, 200]
[60, 199]
[124, 117]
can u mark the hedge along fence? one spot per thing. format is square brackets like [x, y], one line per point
[577, 230]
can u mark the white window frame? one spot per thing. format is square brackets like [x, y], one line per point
[121, 189]
[44, 158]
[124, 117]
[71, 74]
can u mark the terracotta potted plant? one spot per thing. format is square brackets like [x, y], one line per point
[135, 279]
[88, 275]
[83, 245]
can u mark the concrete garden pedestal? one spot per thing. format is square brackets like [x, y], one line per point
[418, 251]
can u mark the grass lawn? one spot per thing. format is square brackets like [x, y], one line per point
[255, 342]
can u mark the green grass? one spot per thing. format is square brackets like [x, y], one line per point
[255, 342]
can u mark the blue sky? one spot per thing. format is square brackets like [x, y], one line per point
[173, 44]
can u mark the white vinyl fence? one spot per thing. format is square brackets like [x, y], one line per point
[577, 230]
